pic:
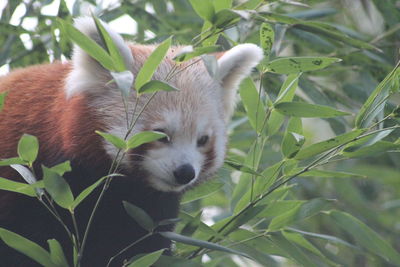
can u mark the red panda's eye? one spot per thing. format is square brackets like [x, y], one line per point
[202, 140]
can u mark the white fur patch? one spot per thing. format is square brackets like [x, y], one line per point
[235, 65]
[87, 75]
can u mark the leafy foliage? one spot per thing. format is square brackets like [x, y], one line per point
[324, 103]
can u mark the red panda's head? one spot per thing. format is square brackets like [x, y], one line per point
[194, 118]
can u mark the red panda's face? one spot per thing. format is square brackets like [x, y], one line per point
[194, 118]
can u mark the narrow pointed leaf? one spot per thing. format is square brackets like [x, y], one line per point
[139, 215]
[11, 161]
[115, 140]
[151, 64]
[267, 37]
[201, 191]
[200, 243]
[373, 150]
[57, 254]
[365, 236]
[62, 168]
[87, 191]
[155, 86]
[88, 45]
[147, 260]
[376, 101]
[12, 186]
[306, 110]
[291, 65]
[253, 104]
[26, 173]
[143, 138]
[326, 145]
[26, 247]
[113, 51]
[181, 57]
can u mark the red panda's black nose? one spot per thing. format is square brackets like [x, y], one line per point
[184, 174]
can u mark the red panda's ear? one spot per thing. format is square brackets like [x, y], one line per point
[87, 75]
[233, 66]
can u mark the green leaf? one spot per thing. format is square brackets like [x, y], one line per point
[306, 110]
[377, 99]
[200, 243]
[115, 140]
[326, 145]
[124, 81]
[58, 188]
[365, 236]
[191, 226]
[299, 213]
[181, 57]
[294, 252]
[26, 247]
[88, 45]
[372, 150]
[201, 191]
[174, 261]
[253, 104]
[267, 37]
[147, 260]
[143, 138]
[2, 99]
[286, 94]
[292, 142]
[151, 64]
[155, 86]
[328, 238]
[225, 17]
[291, 65]
[62, 168]
[328, 174]
[241, 167]
[302, 241]
[118, 60]
[204, 8]
[8, 185]
[87, 191]
[140, 216]
[28, 148]
[314, 27]
[11, 161]
[57, 254]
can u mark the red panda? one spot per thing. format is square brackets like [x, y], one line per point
[63, 104]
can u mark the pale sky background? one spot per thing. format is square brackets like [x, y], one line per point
[124, 24]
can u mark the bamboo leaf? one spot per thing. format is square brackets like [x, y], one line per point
[12, 186]
[199, 243]
[365, 236]
[326, 145]
[151, 64]
[58, 188]
[147, 260]
[155, 86]
[115, 140]
[306, 110]
[143, 138]
[292, 65]
[26, 247]
[57, 254]
[28, 148]
[201, 191]
[140, 216]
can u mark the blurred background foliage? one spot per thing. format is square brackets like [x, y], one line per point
[29, 35]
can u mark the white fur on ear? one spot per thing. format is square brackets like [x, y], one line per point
[87, 75]
[235, 65]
